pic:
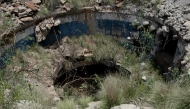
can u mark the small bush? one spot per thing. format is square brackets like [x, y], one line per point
[111, 92]
[159, 95]
[103, 48]
[66, 104]
[117, 89]
[81, 3]
[84, 100]
[179, 98]
[108, 2]
[7, 24]
[43, 11]
[51, 4]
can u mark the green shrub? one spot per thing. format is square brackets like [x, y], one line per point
[43, 11]
[159, 95]
[117, 89]
[84, 100]
[81, 3]
[111, 92]
[108, 2]
[103, 48]
[7, 24]
[179, 98]
[51, 4]
[66, 104]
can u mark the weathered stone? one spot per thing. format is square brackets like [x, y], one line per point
[126, 106]
[187, 17]
[167, 14]
[23, 1]
[146, 23]
[31, 5]
[16, 4]
[187, 66]
[49, 25]
[176, 28]
[94, 105]
[37, 29]
[98, 1]
[57, 22]
[144, 78]
[159, 20]
[67, 7]
[23, 14]
[165, 29]
[99, 8]
[11, 9]
[187, 48]
[63, 1]
[42, 30]
[183, 62]
[187, 24]
[119, 4]
[29, 10]
[26, 19]
[186, 11]
[21, 8]
[186, 37]
[7, 95]
[175, 37]
[181, 33]
[152, 28]
[19, 22]
[161, 13]
[147, 108]
[159, 32]
[36, 1]
[56, 99]
[4, 9]
[186, 58]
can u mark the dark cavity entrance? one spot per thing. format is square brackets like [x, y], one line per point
[166, 51]
[84, 77]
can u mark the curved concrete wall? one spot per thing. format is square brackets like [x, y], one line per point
[76, 25]
[91, 23]
[72, 25]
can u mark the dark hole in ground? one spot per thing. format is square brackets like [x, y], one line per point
[85, 78]
[166, 53]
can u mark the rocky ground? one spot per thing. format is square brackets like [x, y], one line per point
[25, 10]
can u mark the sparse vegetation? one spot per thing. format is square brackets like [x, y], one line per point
[43, 11]
[51, 4]
[68, 103]
[81, 3]
[84, 100]
[142, 82]
[102, 48]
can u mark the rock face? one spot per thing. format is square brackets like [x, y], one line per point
[126, 106]
[25, 104]
[43, 28]
[22, 10]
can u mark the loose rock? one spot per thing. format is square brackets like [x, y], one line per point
[31, 5]
[26, 19]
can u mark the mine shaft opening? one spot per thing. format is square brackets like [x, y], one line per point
[84, 79]
[171, 45]
[167, 50]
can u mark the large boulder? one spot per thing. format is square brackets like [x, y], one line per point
[43, 28]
